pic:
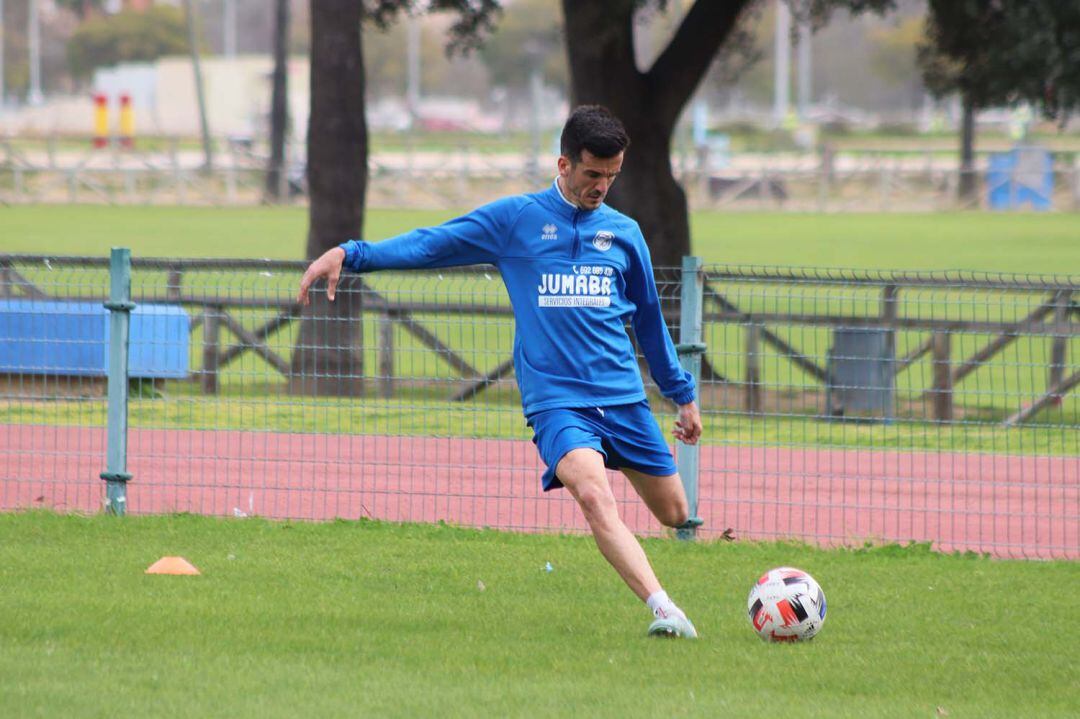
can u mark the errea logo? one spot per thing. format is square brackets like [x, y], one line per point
[549, 232]
[603, 239]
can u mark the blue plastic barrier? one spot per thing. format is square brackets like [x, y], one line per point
[53, 337]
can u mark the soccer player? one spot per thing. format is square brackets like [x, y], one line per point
[576, 270]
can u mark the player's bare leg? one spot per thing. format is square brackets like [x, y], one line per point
[582, 472]
[664, 496]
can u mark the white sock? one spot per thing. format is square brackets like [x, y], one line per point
[662, 607]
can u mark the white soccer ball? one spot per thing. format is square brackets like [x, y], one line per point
[786, 605]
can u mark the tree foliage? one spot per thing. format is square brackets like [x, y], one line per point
[998, 52]
[128, 36]
[603, 68]
[473, 19]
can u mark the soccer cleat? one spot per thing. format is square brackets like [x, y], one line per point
[673, 627]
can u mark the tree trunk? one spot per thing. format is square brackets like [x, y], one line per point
[328, 358]
[648, 191]
[603, 70]
[276, 189]
[967, 189]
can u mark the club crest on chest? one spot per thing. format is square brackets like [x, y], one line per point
[602, 240]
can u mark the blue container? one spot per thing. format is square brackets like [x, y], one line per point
[53, 337]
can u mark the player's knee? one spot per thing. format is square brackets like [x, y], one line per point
[596, 501]
[582, 471]
[675, 512]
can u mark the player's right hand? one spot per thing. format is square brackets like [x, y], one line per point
[328, 266]
[688, 426]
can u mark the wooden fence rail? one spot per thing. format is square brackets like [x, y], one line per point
[1054, 318]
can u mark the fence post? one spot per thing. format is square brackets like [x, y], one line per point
[1059, 340]
[211, 349]
[943, 389]
[690, 349]
[753, 368]
[888, 316]
[386, 355]
[119, 305]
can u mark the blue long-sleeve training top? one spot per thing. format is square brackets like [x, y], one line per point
[574, 278]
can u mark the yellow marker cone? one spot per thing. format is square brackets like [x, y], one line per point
[172, 565]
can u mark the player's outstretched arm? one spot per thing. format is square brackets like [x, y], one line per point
[688, 426]
[328, 266]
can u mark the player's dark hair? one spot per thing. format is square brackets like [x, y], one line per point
[593, 128]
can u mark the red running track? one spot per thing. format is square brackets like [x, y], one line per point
[1005, 505]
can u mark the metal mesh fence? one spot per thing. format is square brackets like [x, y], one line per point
[840, 407]
[932, 407]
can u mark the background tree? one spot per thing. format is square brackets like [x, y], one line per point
[128, 36]
[1002, 52]
[328, 357]
[326, 360]
[603, 69]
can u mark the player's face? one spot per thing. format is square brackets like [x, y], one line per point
[587, 181]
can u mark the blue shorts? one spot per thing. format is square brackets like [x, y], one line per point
[626, 435]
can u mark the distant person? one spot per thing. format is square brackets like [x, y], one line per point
[576, 271]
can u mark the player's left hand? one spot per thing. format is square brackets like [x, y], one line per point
[688, 425]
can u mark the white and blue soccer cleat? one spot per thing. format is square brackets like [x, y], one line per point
[673, 627]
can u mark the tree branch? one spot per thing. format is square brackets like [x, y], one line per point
[704, 29]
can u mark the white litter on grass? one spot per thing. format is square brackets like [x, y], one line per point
[480, 585]
[548, 567]
[237, 512]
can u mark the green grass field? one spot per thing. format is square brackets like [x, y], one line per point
[371, 619]
[1045, 243]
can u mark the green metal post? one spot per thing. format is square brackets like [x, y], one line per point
[690, 349]
[119, 305]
